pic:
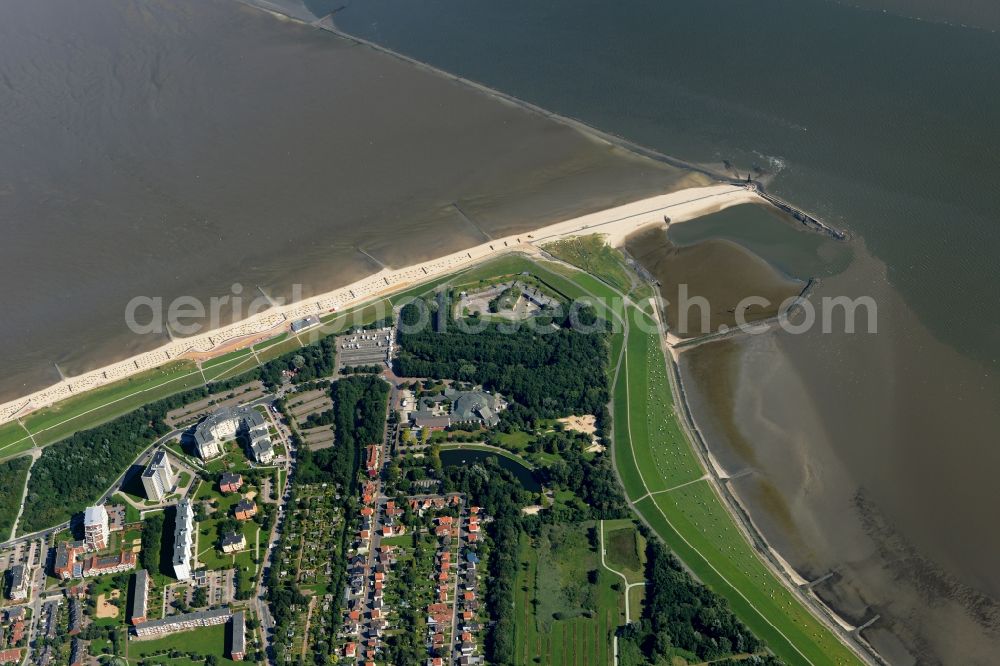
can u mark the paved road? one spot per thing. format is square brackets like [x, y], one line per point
[267, 561]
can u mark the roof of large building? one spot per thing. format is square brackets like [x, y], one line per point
[187, 617]
[96, 564]
[304, 323]
[183, 532]
[429, 420]
[476, 406]
[66, 552]
[239, 641]
[247, 417]
[17, 575]
[245, 505]
[465, 406]
[159, 460]
[140, 595]
[95, 515]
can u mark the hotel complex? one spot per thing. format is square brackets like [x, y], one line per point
[225, 424]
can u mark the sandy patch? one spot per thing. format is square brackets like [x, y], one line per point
[586, 424]
[105, 609]
[531, 510]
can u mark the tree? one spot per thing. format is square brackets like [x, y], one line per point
[152, 542]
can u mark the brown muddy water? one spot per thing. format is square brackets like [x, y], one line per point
[864, 462]
[175, 148]
[704, 285]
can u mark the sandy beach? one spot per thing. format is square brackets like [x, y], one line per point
[614, 223]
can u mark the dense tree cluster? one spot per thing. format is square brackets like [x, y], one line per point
[546, 372]
[12, 475]
[305, 365]
[358, 417]
[592, 481]
[681, 614]
[152, 542]
[74, 472]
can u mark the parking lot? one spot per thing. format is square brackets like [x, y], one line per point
[367, 347]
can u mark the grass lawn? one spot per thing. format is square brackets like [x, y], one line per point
[517, 440]
[232, 364]
[625, 549]
[233, 459]
[208, 530]
[591, 254]
[203, 641]
[13, 439]
[100, 405]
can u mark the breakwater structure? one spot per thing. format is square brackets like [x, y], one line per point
[797, 214]
[750, 328]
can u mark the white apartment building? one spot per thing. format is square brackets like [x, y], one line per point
[96, 529]
[158, 478]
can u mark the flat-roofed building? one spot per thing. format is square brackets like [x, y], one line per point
[158, 478]
[238, 638]
[76, 653]
[183, 540]
[96, 529]
[183, 622]
[18, 582]
[75, 616]
[140, 597]
[307, 322]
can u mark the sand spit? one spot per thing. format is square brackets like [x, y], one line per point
[614, 223]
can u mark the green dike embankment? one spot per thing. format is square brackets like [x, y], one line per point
[669, 488]
[663, 478]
